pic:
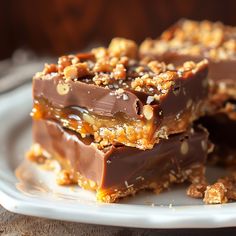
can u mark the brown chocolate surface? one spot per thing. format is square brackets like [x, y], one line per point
[105, 101]
[191, 40]
[97, 99]
[117, 166]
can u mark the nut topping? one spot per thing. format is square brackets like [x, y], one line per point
[63, 88]
[148, 112]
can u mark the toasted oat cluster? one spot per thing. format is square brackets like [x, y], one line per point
[222, 191]
[204, 38]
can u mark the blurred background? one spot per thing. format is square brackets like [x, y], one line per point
[54, 27]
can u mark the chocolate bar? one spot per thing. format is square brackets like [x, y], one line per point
[192, 40]
[118, 171]
[115, 97]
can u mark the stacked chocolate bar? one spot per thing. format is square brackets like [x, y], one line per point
[191, 40]
[117, 124]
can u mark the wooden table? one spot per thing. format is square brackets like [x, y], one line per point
[14, 224]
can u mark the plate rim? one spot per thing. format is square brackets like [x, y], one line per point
[101, 214]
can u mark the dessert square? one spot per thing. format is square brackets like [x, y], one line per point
[116, 97]
[117, 170]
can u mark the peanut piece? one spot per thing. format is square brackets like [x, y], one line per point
[148, 112]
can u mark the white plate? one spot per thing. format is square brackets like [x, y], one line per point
[34, 192]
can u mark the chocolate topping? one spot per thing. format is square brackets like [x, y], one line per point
[97, 99]
[108, 102]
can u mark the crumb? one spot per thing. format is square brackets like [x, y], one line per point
[222, 191]
[65, 178]
[215, 194]
[197, 190]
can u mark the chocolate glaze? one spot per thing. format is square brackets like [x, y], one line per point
[118, 165]
[102, 101]
[95, 98]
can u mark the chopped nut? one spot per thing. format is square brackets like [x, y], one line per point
[82, 69]
[103, 66]
[157, 67]
[189, 65]
[184, 147]
[101, 78]
[148, 112]
[100, 52]
[88, 118]
[119, 72]
[49, 68]
[70, 72]
[63, 88]
[123, 47]
[63, 62]
[119, 91]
